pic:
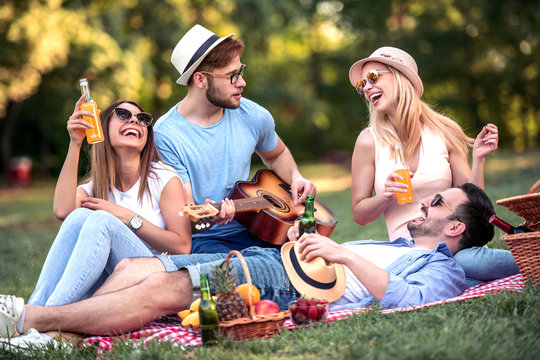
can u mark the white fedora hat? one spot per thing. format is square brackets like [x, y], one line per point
[397, 58]
[317, 279]
[192, 49]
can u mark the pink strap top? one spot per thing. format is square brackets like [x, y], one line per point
[432, 176]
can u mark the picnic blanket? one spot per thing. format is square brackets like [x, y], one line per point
[169, 328]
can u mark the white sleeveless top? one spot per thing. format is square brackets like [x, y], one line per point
[432, 176]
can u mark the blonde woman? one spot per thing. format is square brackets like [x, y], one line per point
[127, 207]
[434, 146]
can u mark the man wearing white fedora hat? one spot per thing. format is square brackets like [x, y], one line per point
[210, 136]
[392, 274]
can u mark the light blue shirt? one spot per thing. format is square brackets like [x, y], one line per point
[416, 277]
[213, 158]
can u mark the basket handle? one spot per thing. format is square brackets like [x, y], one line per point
[534, 187]
[248, 279]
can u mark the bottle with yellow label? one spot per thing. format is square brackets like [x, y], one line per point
[94, 135]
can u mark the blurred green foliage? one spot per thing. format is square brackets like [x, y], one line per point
[479, 61]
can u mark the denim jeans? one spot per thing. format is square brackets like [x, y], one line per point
[484, 264]
[87, 247]
[224, 244]
[264, 264]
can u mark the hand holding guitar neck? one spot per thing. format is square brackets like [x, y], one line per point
[226, 213]
[204, 215]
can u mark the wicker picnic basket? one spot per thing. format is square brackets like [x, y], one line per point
[525, 247]
[254, 326]
[527, 206]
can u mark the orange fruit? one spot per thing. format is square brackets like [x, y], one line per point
[244, 290]
[184, 313]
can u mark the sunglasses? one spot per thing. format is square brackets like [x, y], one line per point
[233, 78]
[145, 119]
[437, 201]
[372, 78]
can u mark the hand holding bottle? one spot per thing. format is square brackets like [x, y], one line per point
[401, 169]
[76, 126]
[95, 133]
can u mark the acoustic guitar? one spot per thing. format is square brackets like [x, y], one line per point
[265, 207]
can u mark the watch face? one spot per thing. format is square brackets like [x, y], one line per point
[135, 222]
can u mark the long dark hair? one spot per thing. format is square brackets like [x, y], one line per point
[103, 158]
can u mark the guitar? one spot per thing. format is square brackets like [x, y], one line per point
[265, 207]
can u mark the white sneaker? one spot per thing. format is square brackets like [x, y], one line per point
[30, 338]
[11, 309]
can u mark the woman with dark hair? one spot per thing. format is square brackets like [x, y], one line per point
[127, 206]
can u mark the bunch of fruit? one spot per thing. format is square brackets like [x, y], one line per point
[305, 311]
[190, 316]
[231, 301]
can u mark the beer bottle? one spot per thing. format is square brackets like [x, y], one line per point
[208, 316]
[307, 222]
[401, 168]
[94, 135]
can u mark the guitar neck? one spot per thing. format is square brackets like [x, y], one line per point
[248, 204]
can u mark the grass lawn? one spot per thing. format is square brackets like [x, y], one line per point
[497, 326]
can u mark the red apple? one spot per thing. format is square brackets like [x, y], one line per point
[265, 307]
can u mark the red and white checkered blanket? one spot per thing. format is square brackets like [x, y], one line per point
[169, 328]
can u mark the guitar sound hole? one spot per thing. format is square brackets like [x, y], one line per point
[277, 203]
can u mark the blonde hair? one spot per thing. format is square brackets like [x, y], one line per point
[103, 159]
[411, 114]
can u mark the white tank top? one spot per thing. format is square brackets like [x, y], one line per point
[432, 176]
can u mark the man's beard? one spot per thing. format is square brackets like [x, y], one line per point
[213, 97]
[429, 228]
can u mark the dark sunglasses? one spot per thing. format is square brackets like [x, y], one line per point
[145, 119]
[233, 78]
[437, 201]
[372, 78]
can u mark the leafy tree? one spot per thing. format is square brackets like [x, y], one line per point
[479, 62]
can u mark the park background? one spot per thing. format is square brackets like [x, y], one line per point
[479, 61]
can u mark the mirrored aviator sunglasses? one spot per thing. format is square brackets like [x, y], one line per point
[372, 78]
[145, 119]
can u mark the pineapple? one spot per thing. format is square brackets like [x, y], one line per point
[230, 304]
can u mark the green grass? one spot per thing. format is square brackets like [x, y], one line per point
[497, 326]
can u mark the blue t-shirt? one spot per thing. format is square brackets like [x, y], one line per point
[212, 159]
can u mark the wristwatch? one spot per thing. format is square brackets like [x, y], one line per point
[135, 223]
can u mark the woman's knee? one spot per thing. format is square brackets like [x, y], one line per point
[138, 266]
[103, 217]
[79, 215]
